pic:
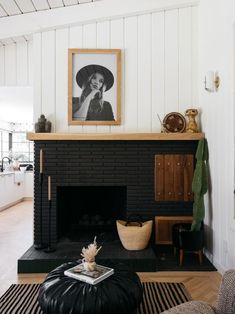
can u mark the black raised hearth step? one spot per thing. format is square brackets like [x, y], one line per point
[37, 261]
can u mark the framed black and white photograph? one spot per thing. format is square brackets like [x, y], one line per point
[94, 86]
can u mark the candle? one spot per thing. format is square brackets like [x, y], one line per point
[41, 156]
[49, 188]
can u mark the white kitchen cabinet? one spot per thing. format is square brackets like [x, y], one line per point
[2, 190]
[28, 184]
[10, 191]
[18, 188]
[15, 187]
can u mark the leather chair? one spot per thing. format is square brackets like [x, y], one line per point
[226, 300]
[187, 241]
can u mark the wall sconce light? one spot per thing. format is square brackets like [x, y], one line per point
[212, 81]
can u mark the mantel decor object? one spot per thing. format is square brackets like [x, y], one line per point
[174, 122]
[94, 86]
[191, 125]
[43, 125]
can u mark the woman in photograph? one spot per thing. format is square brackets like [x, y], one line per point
[94, 80]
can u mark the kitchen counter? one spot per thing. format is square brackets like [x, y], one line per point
[5, 173]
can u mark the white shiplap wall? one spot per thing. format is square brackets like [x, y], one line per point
[16, 64]
[159, 65]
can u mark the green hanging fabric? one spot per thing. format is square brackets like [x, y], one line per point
[200, 184]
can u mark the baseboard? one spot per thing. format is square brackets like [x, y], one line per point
[213, 260]
[15, 202]
[28, 198]
[11, 204]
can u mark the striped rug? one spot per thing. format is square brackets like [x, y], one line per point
[157, 297]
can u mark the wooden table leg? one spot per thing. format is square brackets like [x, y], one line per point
[181, 256]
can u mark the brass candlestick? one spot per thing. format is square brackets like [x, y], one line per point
[40, 246]
[49, 248]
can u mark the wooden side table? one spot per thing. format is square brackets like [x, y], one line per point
[163, 227]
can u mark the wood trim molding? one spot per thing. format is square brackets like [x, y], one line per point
[115, 136]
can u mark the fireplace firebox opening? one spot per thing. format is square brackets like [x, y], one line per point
[87, 211]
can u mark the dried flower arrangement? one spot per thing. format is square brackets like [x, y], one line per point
[89, 255]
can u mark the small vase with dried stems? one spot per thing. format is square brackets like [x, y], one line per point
[89, 255]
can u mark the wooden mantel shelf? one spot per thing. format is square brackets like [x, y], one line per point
[115, 136]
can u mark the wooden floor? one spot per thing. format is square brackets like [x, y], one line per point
[16, 235]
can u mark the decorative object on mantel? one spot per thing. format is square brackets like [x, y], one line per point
[89, 255]
[133, 233]
[43, 125]
[161, 123]
[92, 73]
[174, 122]
[191, 125]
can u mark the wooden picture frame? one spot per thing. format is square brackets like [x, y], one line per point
[94, 86]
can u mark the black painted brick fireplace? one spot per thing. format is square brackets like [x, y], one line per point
[95, 163]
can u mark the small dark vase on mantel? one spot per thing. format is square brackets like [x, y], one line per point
[43, 125]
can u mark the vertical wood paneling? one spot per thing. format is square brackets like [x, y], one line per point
[131, 74]
[16, 63]
[171, 61]
[76, 36]
[158, 67]
[185, 60]
[2, 65]
[75, 41]
[194, 35]
[103, 34]
[37, 85]
[10, 65]
[89, 41]
[103, 41]
[48, 76]
[61, 80]
[22, 63]
[144, 73]
[117, 41]
[30, 62]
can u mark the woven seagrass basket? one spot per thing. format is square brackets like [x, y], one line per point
[134, 236]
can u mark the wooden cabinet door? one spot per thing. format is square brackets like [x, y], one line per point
[173, 177]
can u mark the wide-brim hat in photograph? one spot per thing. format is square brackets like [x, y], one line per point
[85, 72]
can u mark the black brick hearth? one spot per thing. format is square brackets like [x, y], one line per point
[108, 163]
[127, 164]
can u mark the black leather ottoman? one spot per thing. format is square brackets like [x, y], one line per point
[121, 293]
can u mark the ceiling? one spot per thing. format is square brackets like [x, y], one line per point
[18, 7]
